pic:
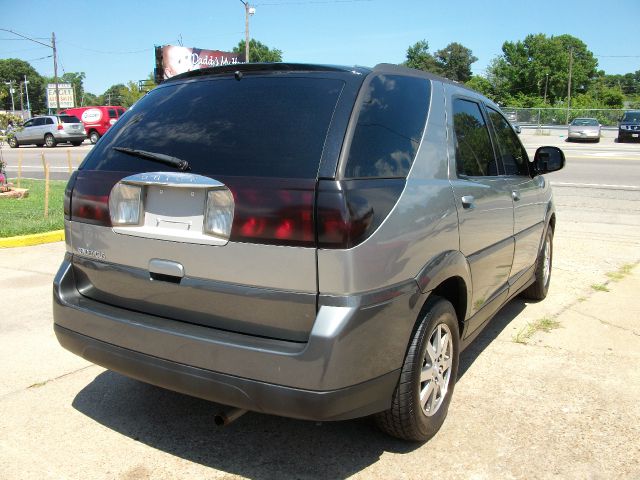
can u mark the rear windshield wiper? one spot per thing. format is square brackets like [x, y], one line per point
[156, 157]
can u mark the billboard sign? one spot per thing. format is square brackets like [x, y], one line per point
[65, 91]
[172, 60]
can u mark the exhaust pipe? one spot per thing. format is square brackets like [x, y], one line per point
[225, 417]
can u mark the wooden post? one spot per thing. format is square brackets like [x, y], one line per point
[46, 186]
[19, 167]
[69, 161]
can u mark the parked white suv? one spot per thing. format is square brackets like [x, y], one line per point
[49, 130]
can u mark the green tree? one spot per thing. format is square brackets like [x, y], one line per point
[113, 95]
[130, 94]
[418, 57]
[259, 52]
[482, 85]
[15, 69]
[528, 66]
[455, 62]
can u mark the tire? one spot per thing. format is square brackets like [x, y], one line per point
[13, 143]
[76, 144]
[50, 141]
[620, 139]
[409, 418]
[94, 137]
[539, 288]
[597, 140]
[39, 145]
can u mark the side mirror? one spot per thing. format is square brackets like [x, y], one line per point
[547, 160]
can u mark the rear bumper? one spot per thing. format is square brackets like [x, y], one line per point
[351, 402]
[348, 368]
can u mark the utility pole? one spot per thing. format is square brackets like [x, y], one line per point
[55, 59]
[546, 84]
[569, 83]
[10, 83]
[26, 89]
[248, 10]
[55, 71]
[21, 103]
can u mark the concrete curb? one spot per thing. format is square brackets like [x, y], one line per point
[34, 239]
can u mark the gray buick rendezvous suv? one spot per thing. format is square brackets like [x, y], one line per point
[310, 241]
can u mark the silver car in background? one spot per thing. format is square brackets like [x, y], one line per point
[49, 130]
[584, 129]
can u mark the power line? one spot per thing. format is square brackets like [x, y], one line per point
[617, 56]
[40, 58]
[310, 2]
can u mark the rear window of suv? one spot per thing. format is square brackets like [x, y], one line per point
[631, 117]
[68, 119]
[257, 126]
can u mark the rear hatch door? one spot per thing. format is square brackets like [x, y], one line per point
[260, 137]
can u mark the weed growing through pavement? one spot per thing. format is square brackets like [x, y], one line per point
[544, 324]
[600, 287]
[622, 272]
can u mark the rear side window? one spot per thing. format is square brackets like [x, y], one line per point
[514, 156]
[112, 113]
[48, 121]
[389, 128]
[474, 153]
[272, 126]
[120, 112]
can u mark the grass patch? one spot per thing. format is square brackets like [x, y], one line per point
[622, 272]
[544, 324]
[26, 215]
[600, 287]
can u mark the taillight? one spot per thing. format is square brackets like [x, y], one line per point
[273, 211]
[349, 211]
[60, 126]
[67, 194]
[90, 196]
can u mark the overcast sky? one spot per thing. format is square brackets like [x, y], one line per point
[113, 41]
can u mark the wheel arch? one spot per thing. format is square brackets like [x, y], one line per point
[448, 276]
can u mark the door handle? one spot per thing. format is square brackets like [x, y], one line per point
[468, 202]
[515, 195]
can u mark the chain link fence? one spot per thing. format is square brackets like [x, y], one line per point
[558, 116]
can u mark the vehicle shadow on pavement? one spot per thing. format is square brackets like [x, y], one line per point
[495, 326]
[255, 446]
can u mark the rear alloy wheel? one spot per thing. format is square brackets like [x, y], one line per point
[13, 143]
[94, 137]
[50, 141]
[422, 396]
[540, 287]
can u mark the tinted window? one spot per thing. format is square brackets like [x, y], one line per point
[38, 122]
[514, 156]
[30, 123]
[49, 121]
[584, 122]
[259, 126]
[631, 117]
[389, 128]
[120, 111]
[68, 119]
[474, 153]
[112, 113]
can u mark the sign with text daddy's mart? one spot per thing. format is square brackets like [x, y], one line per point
[65, 91]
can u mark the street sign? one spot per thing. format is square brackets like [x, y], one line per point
[65, 91]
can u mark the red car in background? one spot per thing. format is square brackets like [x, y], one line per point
[97, 120]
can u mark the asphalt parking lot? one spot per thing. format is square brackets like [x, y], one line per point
[563, 404]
